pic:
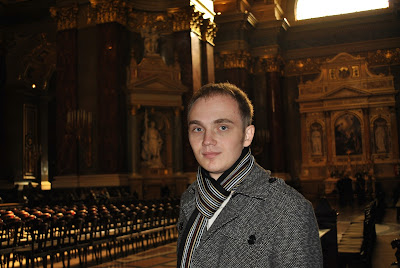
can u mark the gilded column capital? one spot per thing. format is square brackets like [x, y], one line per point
[187, 18]
[209, 31]
[231, 60]
[66, 17]
[108, 11]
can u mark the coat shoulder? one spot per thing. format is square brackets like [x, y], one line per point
[263, 186]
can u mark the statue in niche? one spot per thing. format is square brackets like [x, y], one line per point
[316, 139]
[380, 133]
[131, 70]
[348, 135]
[152, 144]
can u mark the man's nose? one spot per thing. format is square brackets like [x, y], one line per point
[208, 138]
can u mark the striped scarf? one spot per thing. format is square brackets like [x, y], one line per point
[210, 195]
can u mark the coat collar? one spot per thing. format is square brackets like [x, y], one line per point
[254, 186]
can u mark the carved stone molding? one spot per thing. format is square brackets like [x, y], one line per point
[303, 66]
[209, 31]
[108, 11]
[269, 64]
[384, 57]
[157, 22]
[231, 60]
[187, 18]
[181, 18]
[376, 58]
[66, 17]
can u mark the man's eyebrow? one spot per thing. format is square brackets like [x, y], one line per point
[223, 120]
[194, 122]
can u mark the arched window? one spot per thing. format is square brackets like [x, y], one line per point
[307, 9]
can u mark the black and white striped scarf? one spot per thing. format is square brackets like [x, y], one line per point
[210, 195]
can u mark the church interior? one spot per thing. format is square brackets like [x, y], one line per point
[93, 98]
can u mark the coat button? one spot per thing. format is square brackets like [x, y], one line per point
[192, 191]
[251, 240]
[271, 180]
[180, 227]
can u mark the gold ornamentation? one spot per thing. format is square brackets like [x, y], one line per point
[184, 19]
[209, 31]
[105, 12]
[181, 18]
[66, 17]
[304, 66]
[267, 64]
[384, 57]
[376, 58]
[236, 59]
[196, 22]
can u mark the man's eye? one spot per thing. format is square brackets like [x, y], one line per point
[197, 129]
[223, 128]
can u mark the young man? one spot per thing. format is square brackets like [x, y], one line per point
[236, 214]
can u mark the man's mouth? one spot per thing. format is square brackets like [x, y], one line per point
[210, 154]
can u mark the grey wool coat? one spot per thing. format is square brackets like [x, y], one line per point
[266, 223]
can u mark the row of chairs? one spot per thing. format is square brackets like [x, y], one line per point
[358, 240]
[47, 235]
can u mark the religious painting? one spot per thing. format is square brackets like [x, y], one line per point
[381, 139]
[348, 135]
[316, 139]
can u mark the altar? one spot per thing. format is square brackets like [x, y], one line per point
[348, 124]
[155, 125]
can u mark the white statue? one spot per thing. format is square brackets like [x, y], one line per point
[380, 137]
[152, 144]
[316, 142]
[131, 70]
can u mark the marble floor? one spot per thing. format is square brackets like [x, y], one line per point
[383, 255]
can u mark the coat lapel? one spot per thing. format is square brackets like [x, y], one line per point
[236, 205]
[230, 212]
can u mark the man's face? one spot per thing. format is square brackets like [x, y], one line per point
[216, 133]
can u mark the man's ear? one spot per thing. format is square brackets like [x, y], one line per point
[248, 135]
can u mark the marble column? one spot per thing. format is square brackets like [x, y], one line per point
[66, 96]
[367, 134]
[183, 46]
[133, 140]
[111, 111]
[43, 139]
[394, 130]
[275, 119]
[329, 138]
[304, 143]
